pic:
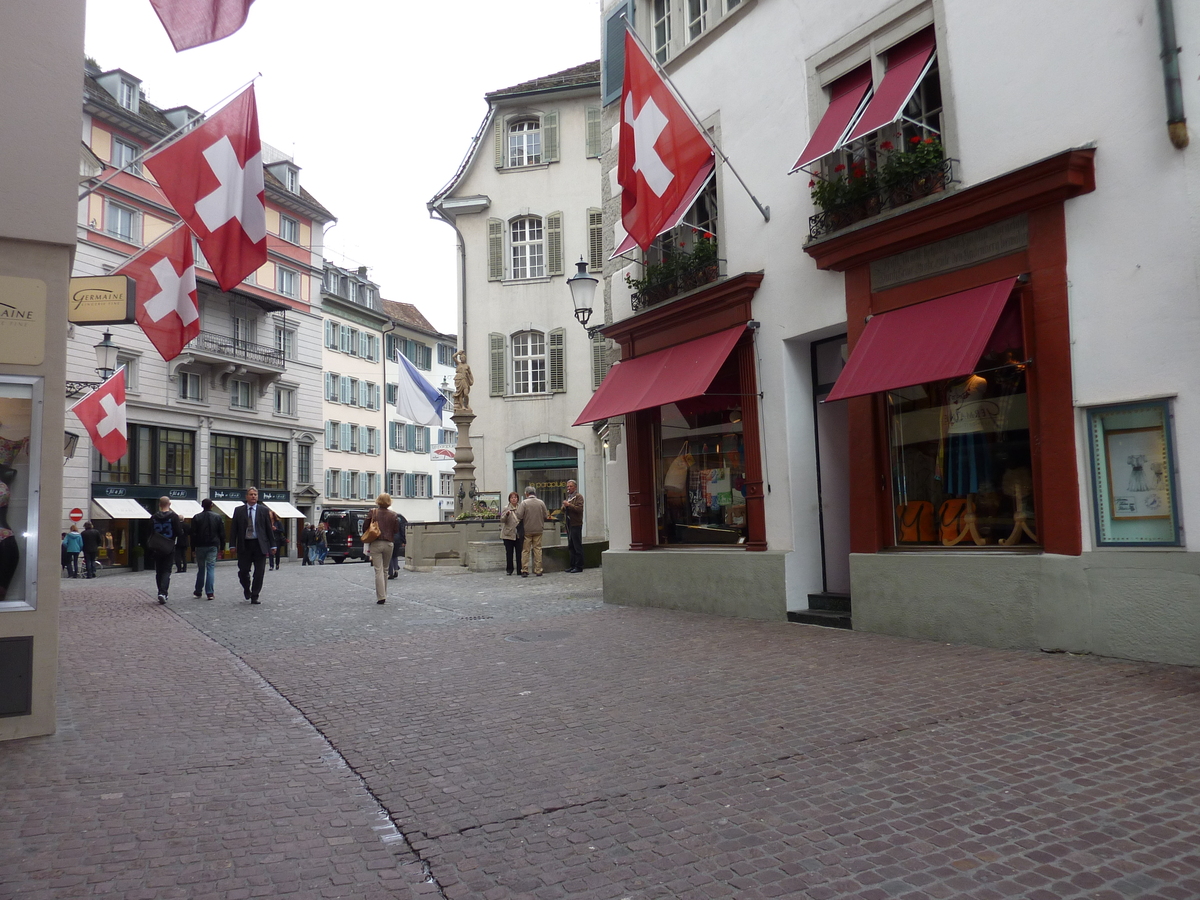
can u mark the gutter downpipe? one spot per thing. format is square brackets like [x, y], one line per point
[435, 211]
[1176, 121]
[386, 437]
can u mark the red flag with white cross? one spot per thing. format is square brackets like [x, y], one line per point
[664, 159]
[102, 413]
[167, 307]
[213, 177]
[191, 23]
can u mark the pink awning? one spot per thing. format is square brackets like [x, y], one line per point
[906, 64]
[930, 341]
[846, 98]
[665, 376]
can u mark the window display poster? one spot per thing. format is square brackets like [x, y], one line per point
[1132, 475]
[16, 434]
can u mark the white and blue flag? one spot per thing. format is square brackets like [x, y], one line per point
[417, 400]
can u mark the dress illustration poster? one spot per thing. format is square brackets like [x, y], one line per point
[1137, 473]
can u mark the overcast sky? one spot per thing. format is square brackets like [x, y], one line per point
[376, 100]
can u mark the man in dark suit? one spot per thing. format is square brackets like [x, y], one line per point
[252, 536]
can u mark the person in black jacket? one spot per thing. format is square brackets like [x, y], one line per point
[165, 529]
[252, 537]
[208, 541]
[91, 549]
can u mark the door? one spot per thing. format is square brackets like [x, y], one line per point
[833, 465]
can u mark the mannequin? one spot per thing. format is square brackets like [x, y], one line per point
[967, 419]
[1018, 484]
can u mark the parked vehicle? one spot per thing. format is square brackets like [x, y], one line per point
[344, 537]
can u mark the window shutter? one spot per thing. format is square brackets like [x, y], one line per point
[410, 484]
[328, 386]
[550, 137]
[330, 341]
[554, 244]
[599, 359]
[499, 132]
[496, 365]
[593, 132]
[613, 53]
[364, 395]
[595, 239]
[411, 436]
[495, 249]
[556, 341]
[328, 435]
[427, 358]
[346, 439]
[376, 398]
[425, 436]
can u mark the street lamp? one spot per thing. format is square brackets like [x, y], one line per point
[583, 295]
[106, 365]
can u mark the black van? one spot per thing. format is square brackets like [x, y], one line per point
[344, 535]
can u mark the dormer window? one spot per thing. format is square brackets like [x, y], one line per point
[128, 95]
[291, 179]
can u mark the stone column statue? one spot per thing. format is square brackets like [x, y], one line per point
[463, 379]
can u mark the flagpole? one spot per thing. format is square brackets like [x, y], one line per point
[163, 141]
[158, 240]
[765, 210]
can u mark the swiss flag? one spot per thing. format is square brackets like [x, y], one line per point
[213, 176]
[663, 159]
[190, 23]
[102, 413]
[167, 308]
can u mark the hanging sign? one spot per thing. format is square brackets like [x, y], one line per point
[102, 300]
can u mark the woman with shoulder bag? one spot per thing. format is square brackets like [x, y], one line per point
[382, 525]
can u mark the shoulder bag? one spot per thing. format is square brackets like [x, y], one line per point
[372, 533]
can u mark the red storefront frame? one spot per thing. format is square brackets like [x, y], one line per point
[1038, 191]
[709, 310]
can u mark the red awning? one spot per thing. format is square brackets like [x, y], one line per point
[677, 373]
[907, 62]
[931, 341]
[846, 98]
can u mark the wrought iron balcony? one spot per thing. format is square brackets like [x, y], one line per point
[921, 184]
[222, 346]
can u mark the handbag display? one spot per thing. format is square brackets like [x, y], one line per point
[950, 521]
[372, 533]
[915, 522]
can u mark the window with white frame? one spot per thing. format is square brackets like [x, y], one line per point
[372, 441]
[332, 334]
[121, 221]
[333, 483]
[332, 432]
[525, 142]
[304, 463]
[285, 342]
[420, 485]
[291, 179]
[124, 154]
[332, 387]
[285, 401]
[395, 484]
[350, 485]
[131, 371]
[372, 484]
[661, 25]
[445, 354]
[528, 248]
[289, 229]
[391, 391]
[353, 395]
[190, 387]
[397, 434]
[529, 363]
[243, 331]
[446, 484]
[287, 281]
[241, 395]
[697, 18]
[128, 95]
[371, 395]
[694, 17]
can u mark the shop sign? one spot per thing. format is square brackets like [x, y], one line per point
[102, 300]
[240, 494]
[143, 491]
[22, 320]
[959, 252]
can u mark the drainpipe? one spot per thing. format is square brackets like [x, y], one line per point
[387, 424]
[1176, 121]
[435, 211]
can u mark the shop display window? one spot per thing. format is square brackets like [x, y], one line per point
[700, 469]
[961, 465]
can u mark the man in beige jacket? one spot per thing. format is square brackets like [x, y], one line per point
[533, 515]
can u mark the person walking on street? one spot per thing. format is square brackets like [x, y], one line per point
[388, 524]
[165, 530]
[512, 532]
[73, 542]
[181, 545]
[573, 515]
[308, 545]
[398, 548]
[91, 549]
[208, 541]
[533, 515]
[277, 541]
[252, 537]
[322, 543]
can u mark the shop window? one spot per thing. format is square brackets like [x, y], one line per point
[961, 461]
[546, 467]
[700, 471]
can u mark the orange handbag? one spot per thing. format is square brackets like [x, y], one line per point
[915, 519]
[951, 522]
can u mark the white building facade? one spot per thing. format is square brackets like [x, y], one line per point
[1030, 493]
[525, 205]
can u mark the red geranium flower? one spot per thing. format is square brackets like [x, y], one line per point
[886, 145]
[915, 139]
[929, 140]
[839, 168]
[708, 234]
[812, 183]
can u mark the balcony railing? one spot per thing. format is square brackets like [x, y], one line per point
[922, 184]
[232, 348]
[685, 278]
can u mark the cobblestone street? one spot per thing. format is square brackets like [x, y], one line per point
[481, 736]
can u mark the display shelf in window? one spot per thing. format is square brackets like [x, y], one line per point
[1135, 502]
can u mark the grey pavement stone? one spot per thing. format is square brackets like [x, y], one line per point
[529, 741]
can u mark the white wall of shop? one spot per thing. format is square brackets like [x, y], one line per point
[571, 185]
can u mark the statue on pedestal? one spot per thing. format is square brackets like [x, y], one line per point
[463, 379]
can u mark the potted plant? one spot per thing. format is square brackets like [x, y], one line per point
[137, 558]
[914, 171]
[850, 195]
[680, 269]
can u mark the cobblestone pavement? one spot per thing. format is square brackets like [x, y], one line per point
[529, 741]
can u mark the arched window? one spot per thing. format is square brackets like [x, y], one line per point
[525, 143]
[529, 362]
[528, 248]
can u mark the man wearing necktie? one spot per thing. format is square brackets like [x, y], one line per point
[252, 538]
